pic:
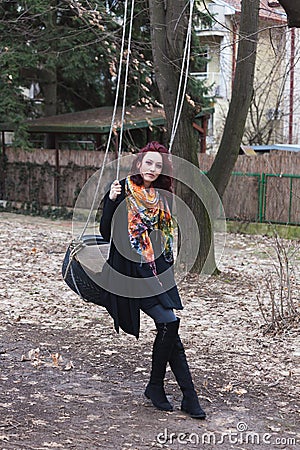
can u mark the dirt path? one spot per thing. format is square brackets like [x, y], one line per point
[68, 381]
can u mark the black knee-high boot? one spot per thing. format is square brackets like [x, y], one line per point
[179, 366]
[162, 350]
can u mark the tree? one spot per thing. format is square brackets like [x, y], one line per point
[293, 12]
[50, 45]
[270, 104]
[69, 49]
[242, 93]
[169, 21]
[169, 24]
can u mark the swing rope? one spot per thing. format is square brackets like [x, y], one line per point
[125, 89]
[185, 62]
[78, 243]
[114, 109]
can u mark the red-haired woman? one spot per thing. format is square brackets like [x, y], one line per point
[137, 218]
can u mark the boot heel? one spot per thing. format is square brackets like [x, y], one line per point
[158, 397]
[201, 415]
[191, 406]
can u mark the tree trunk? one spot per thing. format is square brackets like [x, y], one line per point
[169, 22]
[49, 75]
[48, 81]
[242, 92]
[49, 85]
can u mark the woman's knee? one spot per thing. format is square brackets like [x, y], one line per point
[160, 314]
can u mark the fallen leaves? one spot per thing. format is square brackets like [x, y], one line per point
[32, 355]
[52, 445]
[140, 369]
[38, 358]
[45, 327]
[240, 391]
[69, 366]
[3, 437]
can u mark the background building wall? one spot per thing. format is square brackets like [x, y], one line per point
[268, 120]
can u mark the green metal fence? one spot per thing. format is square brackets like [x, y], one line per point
[263, 197]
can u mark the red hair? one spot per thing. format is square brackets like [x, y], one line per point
[165, 180]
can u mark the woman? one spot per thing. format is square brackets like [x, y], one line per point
[136, 217]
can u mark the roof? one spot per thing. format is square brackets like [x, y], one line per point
[276, 14]
[97, 120]
[281, 147]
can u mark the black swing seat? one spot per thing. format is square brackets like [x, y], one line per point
[77, 264]
[94, 239]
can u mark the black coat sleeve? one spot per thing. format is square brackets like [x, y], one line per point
[109, 207]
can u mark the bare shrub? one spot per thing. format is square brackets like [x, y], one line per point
[278, 296]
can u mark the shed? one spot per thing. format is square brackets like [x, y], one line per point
[97, 122]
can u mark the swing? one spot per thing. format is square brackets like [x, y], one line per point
[83, 252]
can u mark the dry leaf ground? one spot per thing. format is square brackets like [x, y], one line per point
[68, 381]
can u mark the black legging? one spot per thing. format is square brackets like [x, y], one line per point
[160, 314]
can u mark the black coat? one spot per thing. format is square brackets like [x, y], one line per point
[125, 310]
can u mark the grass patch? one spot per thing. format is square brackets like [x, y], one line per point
[266, 229]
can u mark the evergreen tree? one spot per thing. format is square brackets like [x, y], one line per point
[51, 46]
[67, 51]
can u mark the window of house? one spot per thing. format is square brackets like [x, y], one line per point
[199, 61]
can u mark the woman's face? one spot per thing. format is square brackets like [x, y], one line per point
[150, 167]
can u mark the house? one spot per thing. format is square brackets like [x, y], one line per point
[274, 112]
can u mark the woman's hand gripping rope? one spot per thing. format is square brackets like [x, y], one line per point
[115, 190]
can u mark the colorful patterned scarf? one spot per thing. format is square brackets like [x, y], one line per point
[146, 212]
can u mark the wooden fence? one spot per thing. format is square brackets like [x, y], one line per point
[55, 177]
[263, 188]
